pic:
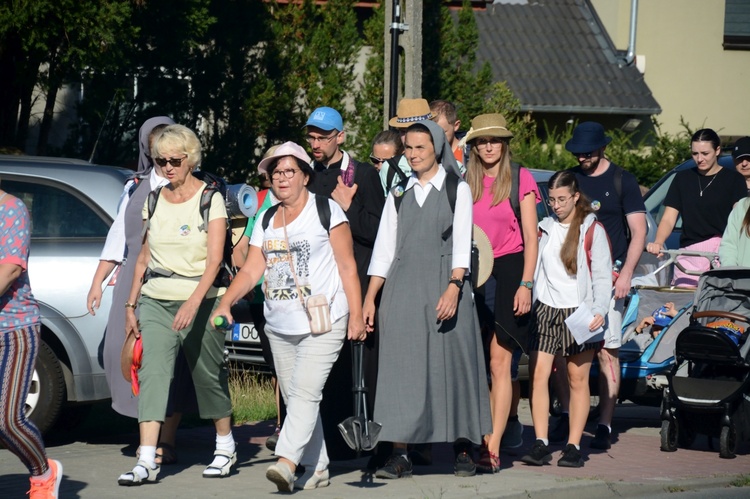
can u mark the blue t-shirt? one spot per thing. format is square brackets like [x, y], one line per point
[610, 209]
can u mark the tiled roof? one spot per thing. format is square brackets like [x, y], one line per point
[556, 57]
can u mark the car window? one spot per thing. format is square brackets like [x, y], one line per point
[56, 212]
[541, 207]
[655, 201]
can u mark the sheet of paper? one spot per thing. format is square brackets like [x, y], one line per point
[578, 323]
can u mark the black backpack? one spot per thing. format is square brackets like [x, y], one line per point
[324, 213]
[214, 184]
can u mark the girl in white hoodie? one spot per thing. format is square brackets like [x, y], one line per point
[568, 274]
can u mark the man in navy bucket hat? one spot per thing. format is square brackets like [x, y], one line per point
[617, 202]
[587, 137]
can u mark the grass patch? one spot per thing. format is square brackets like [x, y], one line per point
[742, 481]
[252, 396]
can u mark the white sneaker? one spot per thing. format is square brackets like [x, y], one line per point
[312, 479]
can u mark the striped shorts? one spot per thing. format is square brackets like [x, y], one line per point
[549, 333]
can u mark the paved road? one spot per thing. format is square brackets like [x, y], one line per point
[634, 467]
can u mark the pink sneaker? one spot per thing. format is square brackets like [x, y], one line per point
[47, 489]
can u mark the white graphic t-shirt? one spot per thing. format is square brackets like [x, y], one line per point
[313, 261]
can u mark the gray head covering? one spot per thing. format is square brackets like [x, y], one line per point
[144, 162]
[443, 152]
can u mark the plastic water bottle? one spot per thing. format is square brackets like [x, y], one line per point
[616, 269]
[222, 323]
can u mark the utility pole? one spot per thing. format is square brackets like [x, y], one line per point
[403, 42]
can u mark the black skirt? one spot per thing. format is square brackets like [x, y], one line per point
[495, 303]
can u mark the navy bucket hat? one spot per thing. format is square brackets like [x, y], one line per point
[587, 137]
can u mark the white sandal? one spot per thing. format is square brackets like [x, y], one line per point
[131, 478]
[223, 470]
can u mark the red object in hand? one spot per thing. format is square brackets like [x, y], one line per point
[135, 366]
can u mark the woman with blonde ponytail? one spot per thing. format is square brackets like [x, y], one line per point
[574, 267]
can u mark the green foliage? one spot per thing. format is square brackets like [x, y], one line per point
[653, 156]
[369, 106]
[449, 58]
[246, 73]
[648, 159]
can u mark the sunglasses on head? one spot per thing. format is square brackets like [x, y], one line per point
[171, 161]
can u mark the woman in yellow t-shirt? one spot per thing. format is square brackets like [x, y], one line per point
[179, 260]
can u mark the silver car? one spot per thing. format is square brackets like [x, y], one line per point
[72, 205]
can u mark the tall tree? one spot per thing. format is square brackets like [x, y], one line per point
[318, 47]
[370, 102]
[58, 40]
[450, 43]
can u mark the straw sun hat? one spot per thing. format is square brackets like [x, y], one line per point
[486, 256]
[488, 125]
[411, 111]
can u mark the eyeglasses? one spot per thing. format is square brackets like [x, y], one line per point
[560, 201]
[276, 175]
[323, 140]
[172, 161]
[586, 155]
[493, 141]
[376, 161]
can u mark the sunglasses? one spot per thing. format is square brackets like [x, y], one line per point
[171, 161]
[376, 161]
[492, 141]
[586, 155]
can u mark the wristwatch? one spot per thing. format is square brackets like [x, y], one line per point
[527, 284]
[130, 305]
[457, 282]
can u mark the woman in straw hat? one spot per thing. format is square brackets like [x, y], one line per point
[504, 300]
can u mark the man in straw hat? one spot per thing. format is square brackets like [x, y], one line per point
[355, 187]
[618, 204]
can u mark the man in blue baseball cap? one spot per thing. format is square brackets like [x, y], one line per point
[356, 188]
[618, 205]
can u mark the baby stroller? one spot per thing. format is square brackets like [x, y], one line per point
[709, 385]
[645, 362]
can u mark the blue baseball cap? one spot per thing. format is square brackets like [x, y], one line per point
[326, 118]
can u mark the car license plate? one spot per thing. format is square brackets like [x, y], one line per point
[243, 333]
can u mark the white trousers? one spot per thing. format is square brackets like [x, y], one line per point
[303, 363]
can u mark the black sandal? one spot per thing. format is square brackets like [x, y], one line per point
[168, 454]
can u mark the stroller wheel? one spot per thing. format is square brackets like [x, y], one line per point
[668, 435]
[728, 442]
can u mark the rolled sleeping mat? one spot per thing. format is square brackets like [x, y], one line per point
[242, 201]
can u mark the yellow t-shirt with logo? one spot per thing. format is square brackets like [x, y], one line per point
[178, 245]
